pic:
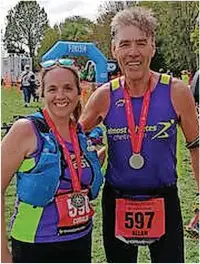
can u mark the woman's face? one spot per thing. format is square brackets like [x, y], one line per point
[60, 92]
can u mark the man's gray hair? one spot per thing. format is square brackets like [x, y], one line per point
[136, 16]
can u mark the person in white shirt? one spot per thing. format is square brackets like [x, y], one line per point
[26, 84]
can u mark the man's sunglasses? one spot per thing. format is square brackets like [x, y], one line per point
[60, 62]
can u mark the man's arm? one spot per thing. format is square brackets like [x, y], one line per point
[96, 108]
[184, 105]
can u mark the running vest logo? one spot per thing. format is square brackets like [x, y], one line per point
[124, 130]
[84, 163]
[161, 130]
[120, 102]
[162, 133]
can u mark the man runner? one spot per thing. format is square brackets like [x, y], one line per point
[141, 111]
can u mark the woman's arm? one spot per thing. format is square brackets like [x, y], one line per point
[16, 145]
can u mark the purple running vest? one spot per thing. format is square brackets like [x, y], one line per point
[159, 144]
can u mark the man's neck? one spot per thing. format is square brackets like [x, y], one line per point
[137, 87]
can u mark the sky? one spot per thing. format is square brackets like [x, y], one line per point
[57, 10]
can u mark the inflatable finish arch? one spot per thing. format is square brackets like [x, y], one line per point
[64, 48]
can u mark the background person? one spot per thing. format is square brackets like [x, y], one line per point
[26, 86]
[34, 84]
[91, 73]
[56, 176]
[141, 111]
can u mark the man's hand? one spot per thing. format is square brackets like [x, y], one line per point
[101, 154]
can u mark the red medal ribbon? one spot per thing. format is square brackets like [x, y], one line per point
[137, 137]
[76, 178]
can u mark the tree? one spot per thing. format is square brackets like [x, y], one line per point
[74, 28]
[158, 60]
[176, 22]
[26, 24]
[101, 34]
[51, 35]
[194, 37]
[110, 8]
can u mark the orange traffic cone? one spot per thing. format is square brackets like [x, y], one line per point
[7, 81]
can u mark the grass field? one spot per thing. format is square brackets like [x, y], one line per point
[12, 104]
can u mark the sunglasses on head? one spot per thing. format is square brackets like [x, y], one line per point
[60, 62]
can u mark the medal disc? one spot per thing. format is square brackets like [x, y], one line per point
[77, 200]
[136, 161]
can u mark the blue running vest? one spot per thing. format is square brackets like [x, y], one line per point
[38, 179]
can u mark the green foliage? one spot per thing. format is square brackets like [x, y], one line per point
[177, 40]
[176, 22]
[101, 33]
[51, 35]
[194, 37]
[158, 60]
[26, 24]
[75, 28]
[12, 103]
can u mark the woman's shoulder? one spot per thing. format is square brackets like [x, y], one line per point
[21, 137]
[22, 126]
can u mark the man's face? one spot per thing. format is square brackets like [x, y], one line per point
[133, 51]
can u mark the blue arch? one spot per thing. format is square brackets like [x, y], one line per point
[63, 48]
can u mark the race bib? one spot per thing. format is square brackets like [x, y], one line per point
[140, 219]
[70, 215]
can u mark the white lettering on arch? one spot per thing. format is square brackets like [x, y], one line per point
[77, 48]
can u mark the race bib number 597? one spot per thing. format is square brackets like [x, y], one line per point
[140, 219]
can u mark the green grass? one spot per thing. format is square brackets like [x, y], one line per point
[12, 104]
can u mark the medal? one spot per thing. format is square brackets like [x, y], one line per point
[136, 161]
[77, 200]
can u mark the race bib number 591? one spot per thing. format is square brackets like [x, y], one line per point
[140, 219]
[69, 215]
